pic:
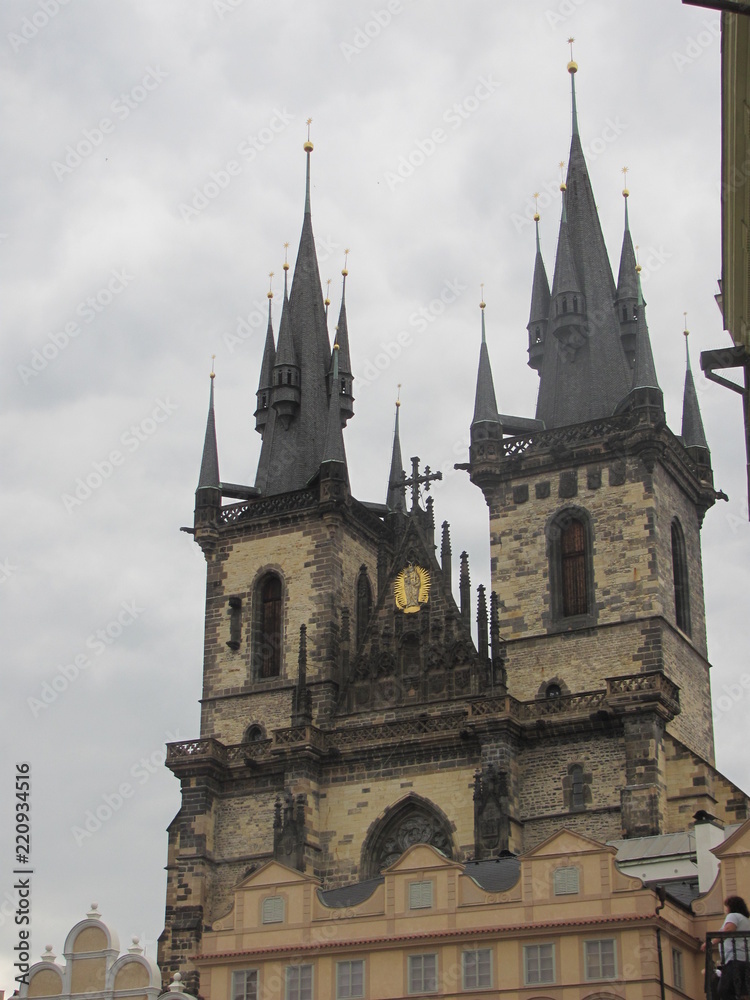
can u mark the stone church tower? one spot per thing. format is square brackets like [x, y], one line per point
[347, 711]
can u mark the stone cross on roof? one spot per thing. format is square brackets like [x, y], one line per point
[414, 482]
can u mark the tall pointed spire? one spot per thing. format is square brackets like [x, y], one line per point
[584, 371]
[540, 303]
[209, 474]
[693, 435]
[395, 499]
[292, 457]
[485, 403]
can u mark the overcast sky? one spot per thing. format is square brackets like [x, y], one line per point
[153, 171]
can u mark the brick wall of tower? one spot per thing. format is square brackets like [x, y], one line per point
[633, 626]
[318, 558]
[623, 522]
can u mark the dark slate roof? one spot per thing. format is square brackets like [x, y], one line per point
[693, 435]
[349, 895]
[627, 286]
[269, 356]
[540, 287]
[644, 369]
[681, 891]
[333, 449]
[209, 474]
[342, 337]
[589, 384]
[395, 499]
[291, 457]
[485, 406]
[495, 874]
[285, 352]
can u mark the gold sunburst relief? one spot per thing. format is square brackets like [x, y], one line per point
[412, 588]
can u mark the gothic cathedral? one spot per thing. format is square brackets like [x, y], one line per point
[348, 712]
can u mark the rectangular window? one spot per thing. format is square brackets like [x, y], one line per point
[245, 985]
[677, 973]
[600, 959]
[539, 963]
[477, 969]
[273, 910]
[350, 979]
[420, 895]
[566, 881]
[422, 973]
[299, 982]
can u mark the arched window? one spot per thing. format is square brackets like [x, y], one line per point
[571, 567]
[553, 691]
[254, 734]
[268, 627]
[680, 576]
[413, 821]
[364, 604]
[577, 788]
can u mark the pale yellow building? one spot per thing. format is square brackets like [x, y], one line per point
[561, 922]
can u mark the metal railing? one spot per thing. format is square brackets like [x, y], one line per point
[728, 965]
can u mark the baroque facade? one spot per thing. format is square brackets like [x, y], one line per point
[348, 713]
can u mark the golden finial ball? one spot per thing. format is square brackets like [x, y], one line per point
[563, 186]
[537, 216]
[686, 333]
[638, 268]
[482, 305]
[269, 295]
[398, 403]
[625, 193]
[572, 66]
[344, 271]
[327, 301]
[285, 265]
[308, 146]
[212, 375]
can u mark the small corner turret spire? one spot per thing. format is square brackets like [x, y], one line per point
[265, 381]
[693, 434]
[209, 474]
[341, 347]
[540, 300]
[334, 475]
[573, 69]
[485, 402]
[395, 497]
